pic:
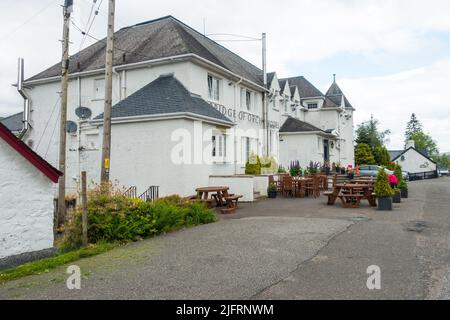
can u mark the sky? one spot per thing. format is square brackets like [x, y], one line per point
[391, 57]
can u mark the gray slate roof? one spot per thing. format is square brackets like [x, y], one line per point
[14, 122]
[295, 125]
[305, 88]
[395, 154]
[270, 77]
[160, 38]
[335, 94]
[165, 95]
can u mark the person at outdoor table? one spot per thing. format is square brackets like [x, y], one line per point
[393, 181]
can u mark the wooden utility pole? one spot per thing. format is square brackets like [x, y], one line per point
[106, 151]
[67, 9]
[84, 217]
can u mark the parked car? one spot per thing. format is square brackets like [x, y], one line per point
[443, 172]
[405, 175]
[371, 170]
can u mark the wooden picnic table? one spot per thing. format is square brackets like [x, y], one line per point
[300, 186]
[351, 194]
[219, 193]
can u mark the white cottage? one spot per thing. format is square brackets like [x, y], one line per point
[187, 111]
[26, 198]
[415, 162]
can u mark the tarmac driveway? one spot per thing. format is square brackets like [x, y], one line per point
[231, 259]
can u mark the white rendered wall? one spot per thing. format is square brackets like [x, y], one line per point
[26, 205]
[416, 163]
[239, 185]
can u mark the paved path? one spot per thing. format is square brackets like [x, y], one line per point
[276, 249]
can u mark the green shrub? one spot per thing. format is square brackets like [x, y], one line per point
[253, 165]
[382, 187]
[113, 217]
[363, 154]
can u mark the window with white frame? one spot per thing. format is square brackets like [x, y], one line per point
[248, 99]
[219, 147]
[285, 102]
[313, 105]
[99, 89]
[213, 88]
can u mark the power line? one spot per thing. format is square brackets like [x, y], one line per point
[51, 137]
[91, 24]
[48, 122]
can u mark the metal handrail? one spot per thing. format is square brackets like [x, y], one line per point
[150, 195]
[131, 193]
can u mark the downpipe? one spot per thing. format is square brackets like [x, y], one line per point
[26, 99]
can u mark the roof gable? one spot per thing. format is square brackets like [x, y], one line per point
[414, 150]
[37, 161]
[305, 88]
[156, 39]
[166, 95]
[336, 95]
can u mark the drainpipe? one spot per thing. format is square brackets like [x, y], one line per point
[26, 99]
[237, 98]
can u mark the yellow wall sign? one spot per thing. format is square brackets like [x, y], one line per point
[106, 163]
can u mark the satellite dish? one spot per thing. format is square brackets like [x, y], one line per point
[72, 127]
[83, 113]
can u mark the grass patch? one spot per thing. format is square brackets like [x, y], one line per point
[44, 265]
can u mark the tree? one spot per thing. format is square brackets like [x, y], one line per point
[424, 142]
[412, 127]
[368, 133]
[363, 154]
[443, 161]
[382, 188]
[382, 156]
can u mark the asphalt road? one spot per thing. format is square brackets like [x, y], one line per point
[276, 249]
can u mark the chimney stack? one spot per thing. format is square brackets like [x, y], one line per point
[410, 144]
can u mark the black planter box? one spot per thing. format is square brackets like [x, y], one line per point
[404, 193]
[385, 203]
[397, 198]
[342, 171]
[272, 194]
[351, 176]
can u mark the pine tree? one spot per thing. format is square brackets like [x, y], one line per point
[412, 127]
[363, 154]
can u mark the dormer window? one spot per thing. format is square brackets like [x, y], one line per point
[313, 106]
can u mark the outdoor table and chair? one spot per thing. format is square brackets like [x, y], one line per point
[220, 196]
[352, 193]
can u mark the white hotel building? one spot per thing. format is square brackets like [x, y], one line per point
[185, 109]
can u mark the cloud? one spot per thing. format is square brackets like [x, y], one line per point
[299, 32]
[393, 98]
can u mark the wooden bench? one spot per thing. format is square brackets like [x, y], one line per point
[232, 204]
[350, 200]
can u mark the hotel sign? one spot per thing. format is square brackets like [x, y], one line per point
[237, 115]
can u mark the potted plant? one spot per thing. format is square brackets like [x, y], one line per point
[383, 191]
[281, 169]
[338, 167]
[403, 186]
[295, 169]
[397, 198]
[272, 191]
[342, 170]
